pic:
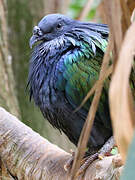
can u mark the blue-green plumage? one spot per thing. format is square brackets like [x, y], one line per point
[63, 68]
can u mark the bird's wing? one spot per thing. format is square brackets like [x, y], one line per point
[78, 69]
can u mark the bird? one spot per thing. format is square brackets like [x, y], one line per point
[64, 65]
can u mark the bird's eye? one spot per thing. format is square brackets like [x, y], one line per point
[59, 26]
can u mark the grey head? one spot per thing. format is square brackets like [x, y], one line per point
[50, 27]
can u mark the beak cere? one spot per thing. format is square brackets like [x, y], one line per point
[37, 35]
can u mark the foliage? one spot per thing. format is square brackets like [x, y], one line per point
[76, 7]
[114, 151]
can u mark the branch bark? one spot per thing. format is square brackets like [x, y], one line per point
[28, 156]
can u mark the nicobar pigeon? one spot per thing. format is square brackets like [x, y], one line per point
[64, 66]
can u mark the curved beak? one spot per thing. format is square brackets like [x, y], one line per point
[33, 40]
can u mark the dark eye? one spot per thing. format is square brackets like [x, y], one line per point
[59, 26]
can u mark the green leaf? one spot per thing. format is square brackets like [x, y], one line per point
[114, 151]
[91, 14]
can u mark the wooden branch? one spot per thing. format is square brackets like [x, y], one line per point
[131, 5]
[122, 107]
[26, 155]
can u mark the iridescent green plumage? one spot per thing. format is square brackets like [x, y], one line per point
[81, 69]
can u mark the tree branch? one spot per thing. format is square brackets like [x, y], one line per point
[26, 155]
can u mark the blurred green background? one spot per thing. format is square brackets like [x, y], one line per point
[21, 16]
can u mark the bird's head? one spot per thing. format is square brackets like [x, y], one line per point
[51, 27]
